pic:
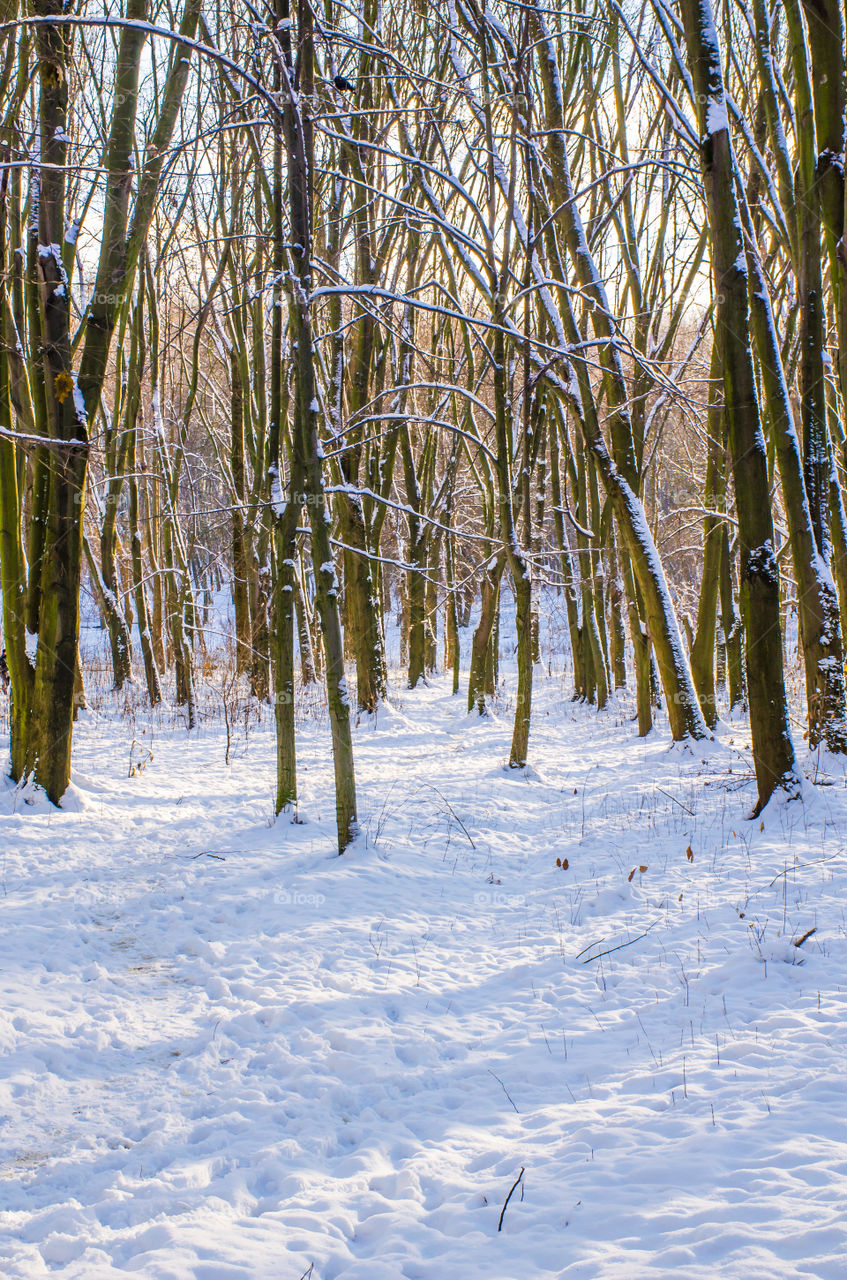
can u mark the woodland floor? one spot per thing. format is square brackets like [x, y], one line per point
[228, 1054]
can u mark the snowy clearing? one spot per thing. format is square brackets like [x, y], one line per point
[228, 1053]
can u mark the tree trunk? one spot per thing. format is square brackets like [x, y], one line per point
[452, 656]
[481, 644]
[240, 559]
[703, 646]
[305, 440]
[773, 751]
[308, 672]
[51, 723]
[142, 615]
[817, 599]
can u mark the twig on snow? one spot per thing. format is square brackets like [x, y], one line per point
[679, 802]
[620, 946]
[452, 811]
[797, 866]
[505, 1090]
[508, 1198]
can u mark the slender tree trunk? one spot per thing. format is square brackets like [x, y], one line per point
[283, 654]
[452, 659]
[431, 607]
[51, 723]
[240, 560]
[703, 646]
[481, 643]
[732, 628]
[575, 632]
[305, 440]
[617, 598]
[416, 611]
[308, 672]
[13, 582]
[113, 619]
[817, 599]
[362, 601]
[260, 610]
[773, 751]
[142, 615]
[825, 28]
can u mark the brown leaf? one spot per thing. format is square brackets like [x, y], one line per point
[63, 385]
[642, 868]
[689, 853]
[565, 864]
[631, 874]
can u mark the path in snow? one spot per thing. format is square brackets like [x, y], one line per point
[229, 1054]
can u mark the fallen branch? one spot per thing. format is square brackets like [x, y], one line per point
[797, 866]
[620, 945]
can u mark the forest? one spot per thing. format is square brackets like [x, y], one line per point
[423, 438]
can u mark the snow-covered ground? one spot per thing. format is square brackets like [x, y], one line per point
[228, 1054]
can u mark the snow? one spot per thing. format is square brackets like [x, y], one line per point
[278, 501]
[79, 404]
[53, 251]
[716, 120]
[229, 1053]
